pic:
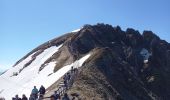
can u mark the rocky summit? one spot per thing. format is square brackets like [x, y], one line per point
[123, 65]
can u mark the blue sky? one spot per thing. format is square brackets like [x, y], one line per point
[25, 24]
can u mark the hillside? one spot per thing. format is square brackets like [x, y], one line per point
[112, 65]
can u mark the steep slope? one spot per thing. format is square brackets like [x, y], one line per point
[105, 77]
[135, 65]
[20, 80]
[119, 65]
[36, 68]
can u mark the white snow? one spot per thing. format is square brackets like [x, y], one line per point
[19, 66]
[29, 77]
[77, 30]
[10, 86]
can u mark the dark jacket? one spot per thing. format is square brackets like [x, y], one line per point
[17, 99]
[42, 90]
[65, 97]
[24, 98]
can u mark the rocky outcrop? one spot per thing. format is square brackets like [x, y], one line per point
[118, 61]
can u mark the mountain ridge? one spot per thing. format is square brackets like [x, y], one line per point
[124, 65]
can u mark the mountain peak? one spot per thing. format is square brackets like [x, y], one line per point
[112, 64]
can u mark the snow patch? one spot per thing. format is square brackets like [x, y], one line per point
[19, 66]
[77, 30]
[24, 81]
[29, 77]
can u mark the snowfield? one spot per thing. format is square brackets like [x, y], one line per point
[30, 76]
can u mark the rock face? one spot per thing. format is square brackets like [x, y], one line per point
[117, 69]
[124, 65]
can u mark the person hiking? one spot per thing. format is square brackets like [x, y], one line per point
[13, 98]
[72, 69]
[24, 97]
[56, 95]
[34, 92]
[31, 97]
[65, 77]
[17, 98]
[42, 90]
[65, 97]
[65, 84]
[75, 70]
[68, 76]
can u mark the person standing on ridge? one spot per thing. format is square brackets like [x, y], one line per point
[65, 97]
[56, 95]
[31, 97]
[17, 98]
[42, 91]
[72, 69]
[34, 92]
[24, 97]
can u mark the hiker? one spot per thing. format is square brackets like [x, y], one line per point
[34, 92]
[72, 69]
[42, 90]
[56, 95]
[24, 97]
[17, 98]
[65, 77]
[68, 79]
[65, 84]
[68, 76]
[59, 90]
[65, 97]
[75, 70]
[31, 97]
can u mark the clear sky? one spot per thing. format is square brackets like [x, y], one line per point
[25, 24]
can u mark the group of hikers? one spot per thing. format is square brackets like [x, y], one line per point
[56, 96]
[34, 94]
[67, 80]
[39, 94]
